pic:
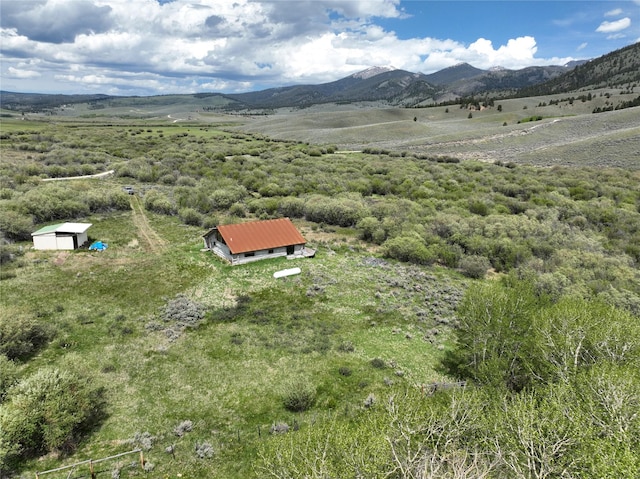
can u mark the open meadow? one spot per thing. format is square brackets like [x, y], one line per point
[472, 306]
[543, 131]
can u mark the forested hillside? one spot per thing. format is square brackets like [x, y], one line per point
[616, 69]
[460, 319]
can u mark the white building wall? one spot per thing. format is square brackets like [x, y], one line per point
[221, 250]
[258, 255]
[65, 242]
[44, 242]
[54, 242]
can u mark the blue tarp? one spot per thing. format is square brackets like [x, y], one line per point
[98, 246]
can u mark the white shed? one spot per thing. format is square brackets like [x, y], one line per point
[61, 236]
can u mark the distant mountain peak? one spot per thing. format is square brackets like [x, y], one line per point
[373, 71]
[457, 66]
[497, 68]
[461, 71]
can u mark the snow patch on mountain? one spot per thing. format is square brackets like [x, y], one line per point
[371, 72]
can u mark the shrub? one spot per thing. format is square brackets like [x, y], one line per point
[506, 254]
[272, 189]
[48, 410]
[238, 209]
[189, 216]
[291, 207]
[4, 274]
[474, 266]
[264, 207]
[51, 202]
[299, 396]
[210, 221]
[99, 201]
[143, 440]
[204, 450]
[369, 401]
[223, 198]
[167, 179]
[409, 249]
[346, 347]
[279, 428]
[20, 337]
[8, 375]
[183, 311]
[334, 211]
[478, 208]
[16, 226]
[378, 363]
[448, 255]
[367, 226]
[182, 428]
[8, 254]
[158, 203]
[186, 181]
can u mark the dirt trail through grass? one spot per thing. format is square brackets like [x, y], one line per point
[150, 240]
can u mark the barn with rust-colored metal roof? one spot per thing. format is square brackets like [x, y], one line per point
[256, 240]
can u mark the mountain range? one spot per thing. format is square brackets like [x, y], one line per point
[389, 86]
[401, 87]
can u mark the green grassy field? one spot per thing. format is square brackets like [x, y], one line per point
[227, 375]
[171, 333]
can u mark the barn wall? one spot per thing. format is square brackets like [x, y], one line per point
[44, 242]
[65, 242]
[221, 250]
[258, 255]
[54, 242]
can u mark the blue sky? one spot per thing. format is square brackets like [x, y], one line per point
[147, 47]
[561, 28]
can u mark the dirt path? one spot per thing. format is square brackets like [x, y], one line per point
[150, 240]
[98, 175]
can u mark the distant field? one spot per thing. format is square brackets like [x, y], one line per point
[567, 133]
[542, 131]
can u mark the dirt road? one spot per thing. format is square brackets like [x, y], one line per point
[149, 239]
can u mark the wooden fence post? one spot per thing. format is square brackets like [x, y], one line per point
[142, 459]
[93, 474]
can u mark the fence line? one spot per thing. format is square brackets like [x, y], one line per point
[91, 462]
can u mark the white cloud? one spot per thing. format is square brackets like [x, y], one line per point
[613, 13]
[229, 45]
[517, 53]
[615, 26]
[582, 46]
[20, 73]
